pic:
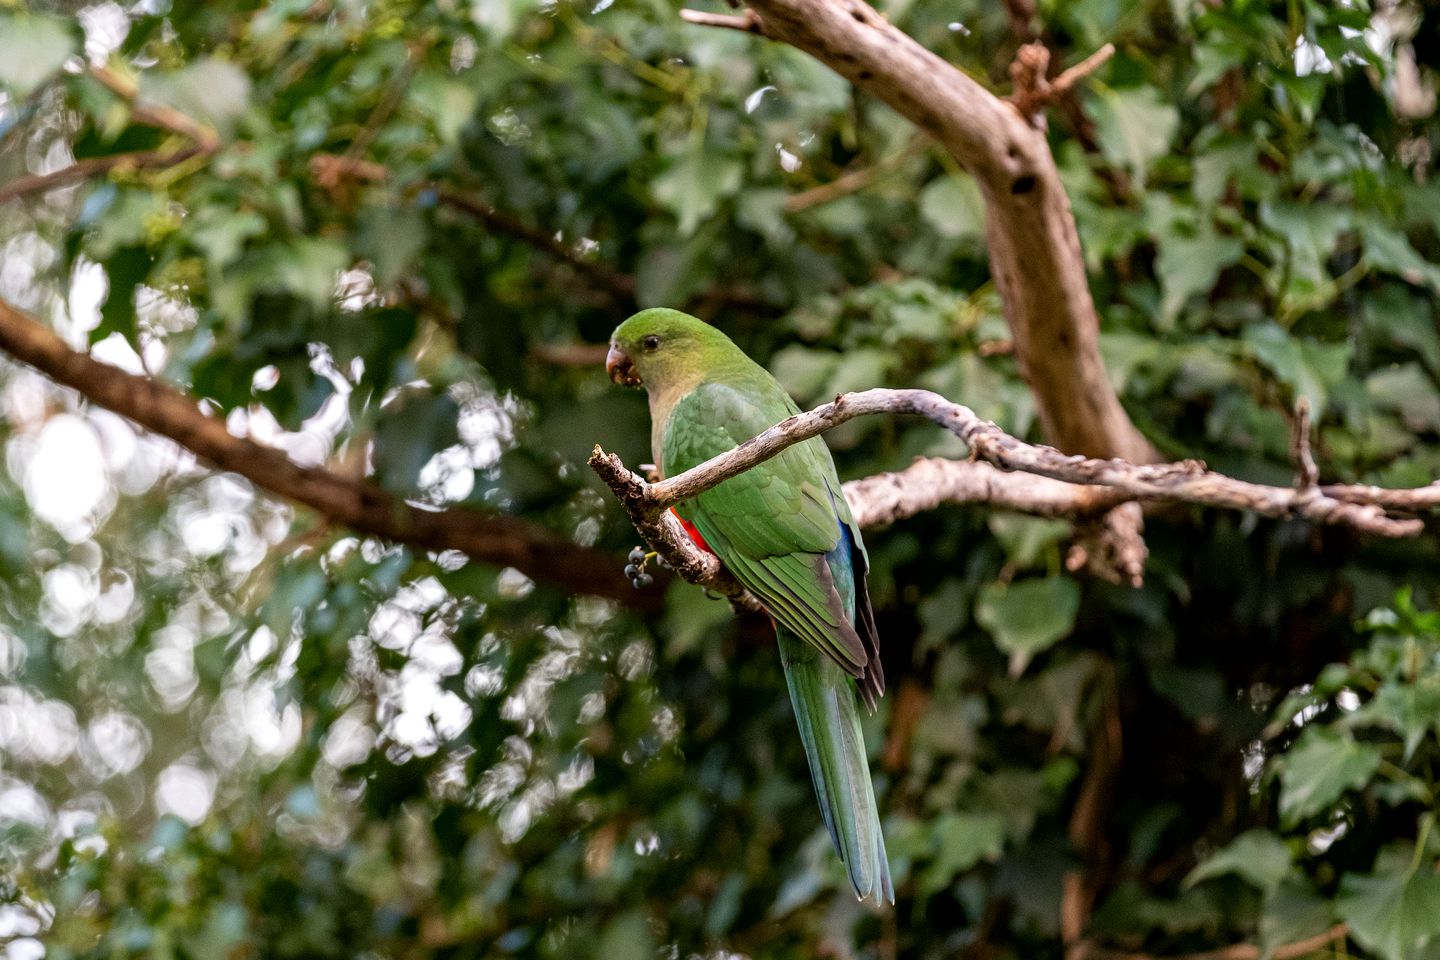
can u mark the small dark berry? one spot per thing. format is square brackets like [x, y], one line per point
[662, 562]
[643, 581]
[631, 570]
[637, 555]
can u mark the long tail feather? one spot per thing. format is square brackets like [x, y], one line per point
[829, 718]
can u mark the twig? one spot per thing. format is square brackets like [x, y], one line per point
[747, 22]
[1087, 950]
[1068, 78]
[569, 354]
[1307, 474]
[1086, 828]
[82, 170]
[1034, 90]
[1414, 500]
[490, 538]
[852, 182]
[155, 114]
[329, 169]
[203, 138]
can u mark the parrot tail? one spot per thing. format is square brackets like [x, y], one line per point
[823, 695]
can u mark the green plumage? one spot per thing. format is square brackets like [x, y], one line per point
[784, 530]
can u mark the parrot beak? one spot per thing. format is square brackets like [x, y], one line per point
[621, 370]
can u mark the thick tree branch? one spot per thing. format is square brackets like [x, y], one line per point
[355, 503]
[1039, 480]
[1034, 247]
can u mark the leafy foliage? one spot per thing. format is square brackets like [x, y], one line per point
[229, 730]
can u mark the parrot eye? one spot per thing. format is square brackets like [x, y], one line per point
[651, 342]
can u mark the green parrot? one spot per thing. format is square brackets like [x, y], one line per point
[784, 530]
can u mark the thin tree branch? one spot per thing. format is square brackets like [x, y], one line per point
[156, 114]
[1034, 90]
[1087, 950]
[931, 482]
[853, 181]
[490, 538]
[746, 22]
[89, 167]
[1038, 479]
[1184, 482]
[1307, 474]
[203, 138]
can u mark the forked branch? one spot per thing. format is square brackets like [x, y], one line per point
[1009, 473]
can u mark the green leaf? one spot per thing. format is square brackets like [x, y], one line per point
[1026, 540]
[1188, 265]
[1323, 764]
[1310, 233]
[1256, 856]
[449, 102]
[1293, 911]
[627, 937]
[413, 428]
[1136, 126]
[1309, 368]
[1409, 391]
[210, 89]
[1394, 911]
[391, 240]
[954, 207]
[309, 266]
[1388, 249]
[961, 841]
[32, 48]
[1027, 616]
[693, 188]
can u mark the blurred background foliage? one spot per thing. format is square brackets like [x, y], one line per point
[230, 730]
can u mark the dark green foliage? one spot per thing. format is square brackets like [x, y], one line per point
[409, 755]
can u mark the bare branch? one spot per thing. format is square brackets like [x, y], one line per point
[1072, 76]
[661, 529]
[1034, 247]
[855, 180]
[1087, 950]
[1416, 500]
[930, 482]
[203, 138]
[490, 538]
[746, 22]
[82, 170]
[1034, 90]
[1307, 474]
[1184, 482]
[157, 114]
[1084, 485]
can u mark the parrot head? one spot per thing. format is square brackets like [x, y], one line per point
[657, 347]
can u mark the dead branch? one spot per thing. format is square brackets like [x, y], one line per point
[1184, 482]
[1011, 474]
[1033, 88]
[489, 538]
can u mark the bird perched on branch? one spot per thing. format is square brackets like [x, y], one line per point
[784, 530]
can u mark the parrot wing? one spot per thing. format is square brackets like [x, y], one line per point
[778, 526]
